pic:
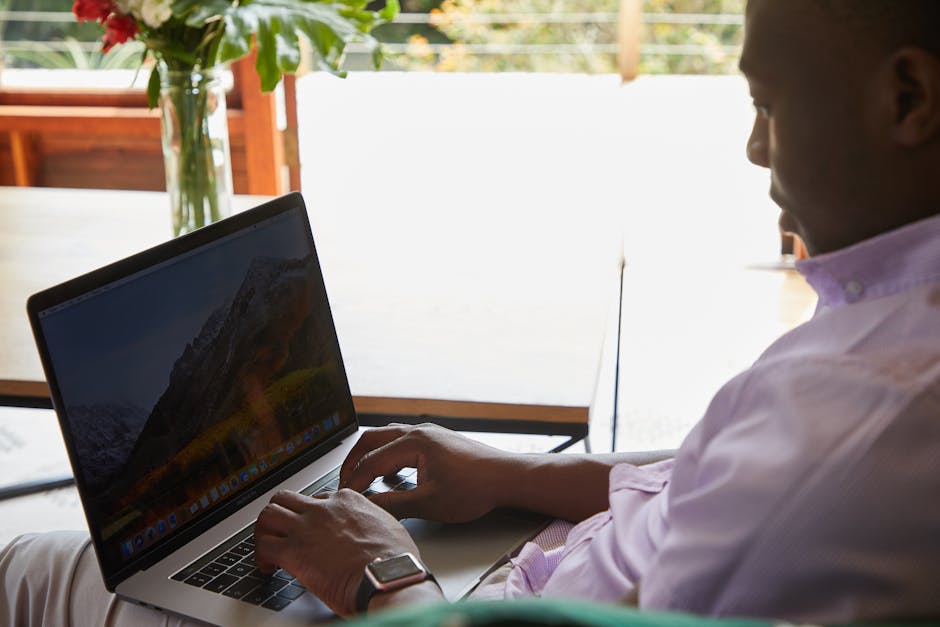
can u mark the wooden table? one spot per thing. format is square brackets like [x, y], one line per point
[441, 317]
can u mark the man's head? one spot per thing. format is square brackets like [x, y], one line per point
[848, 113]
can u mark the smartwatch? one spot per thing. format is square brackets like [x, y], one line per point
[386, 574]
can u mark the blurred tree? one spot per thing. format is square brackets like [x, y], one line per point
[679, 36]
[716, 43]
[692, 37]
[549, 36]
[398, 31]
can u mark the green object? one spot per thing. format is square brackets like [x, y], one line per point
[550, 612]
[188, 35]
[276, 26]
[194, 129]
[191, 40]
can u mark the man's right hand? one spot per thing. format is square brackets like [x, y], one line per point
[458, 478]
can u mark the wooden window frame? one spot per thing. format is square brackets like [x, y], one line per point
[252, 118]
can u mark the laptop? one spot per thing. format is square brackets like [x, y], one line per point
[191, 382]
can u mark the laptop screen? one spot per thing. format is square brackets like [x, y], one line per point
[183, 384]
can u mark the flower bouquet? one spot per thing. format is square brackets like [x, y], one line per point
[190, 40]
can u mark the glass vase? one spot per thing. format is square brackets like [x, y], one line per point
[195, 146]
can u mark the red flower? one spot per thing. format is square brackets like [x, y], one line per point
[121, 28]
[93, 10]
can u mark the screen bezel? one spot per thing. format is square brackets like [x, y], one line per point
[112, 573]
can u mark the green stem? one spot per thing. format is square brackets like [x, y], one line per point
[196, 192]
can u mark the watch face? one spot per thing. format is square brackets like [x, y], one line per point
[395, 568]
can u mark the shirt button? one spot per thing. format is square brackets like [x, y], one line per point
[854, 291]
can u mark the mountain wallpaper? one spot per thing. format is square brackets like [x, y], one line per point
[255, 375]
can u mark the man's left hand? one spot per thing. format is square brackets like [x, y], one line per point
[326, 542]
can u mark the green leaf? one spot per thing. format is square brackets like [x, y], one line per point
[273, 26]
[329, 26]
[197, 12]
[390, 12]
[266, 63]
[288, 51]
[356, 4]
[153, 89]
[328, 47]
[232, 48]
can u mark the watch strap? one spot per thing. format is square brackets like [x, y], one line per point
[367, 590]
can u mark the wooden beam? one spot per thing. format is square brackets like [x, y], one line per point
[470, 409]
[291, 135]
[72, 98]
[120, 121]
[629, 35]
[24, 158]
[264, 148]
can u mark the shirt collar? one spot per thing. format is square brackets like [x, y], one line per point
[877, 267]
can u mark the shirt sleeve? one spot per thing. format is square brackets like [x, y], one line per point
[604, 554]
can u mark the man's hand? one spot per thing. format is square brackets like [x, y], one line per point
[458, 478]
[326, 542]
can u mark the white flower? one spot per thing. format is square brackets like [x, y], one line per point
[129, 7]
[155, 12]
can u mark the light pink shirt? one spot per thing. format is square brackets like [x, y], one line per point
[810, 490]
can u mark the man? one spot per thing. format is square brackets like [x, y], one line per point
[808, 490]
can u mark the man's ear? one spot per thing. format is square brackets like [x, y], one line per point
[915, 78]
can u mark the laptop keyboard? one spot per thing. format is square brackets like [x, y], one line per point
[230, 568]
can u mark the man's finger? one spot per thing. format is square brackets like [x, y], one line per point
[405, 503]
[369, 441]
[293, 501]
[385, 460]
[269, 551]
[275, 519]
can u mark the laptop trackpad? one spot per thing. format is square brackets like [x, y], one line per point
[460, 555]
